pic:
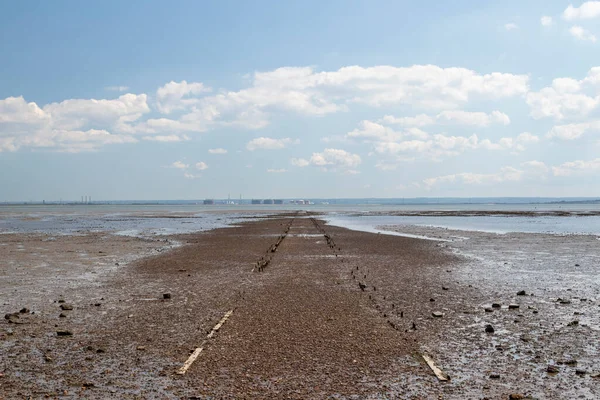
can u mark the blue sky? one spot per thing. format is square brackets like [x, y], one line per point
[192, 100]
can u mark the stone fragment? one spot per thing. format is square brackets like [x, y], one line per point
[437, 314]
[166, 296]
[66, 307]
[552, 369]
[489, 328]
[521, 293]
[64, 332]
[513, 306]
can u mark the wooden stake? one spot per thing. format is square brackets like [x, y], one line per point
[441, 375]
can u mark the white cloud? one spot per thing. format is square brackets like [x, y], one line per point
[15, 110]
[177, 95]
[536, 167]
[276, 171]
[506, 174]
[588, 10]
[474, 118]
[335, 158]
[180, 165]
[417, 121]
[511, 26]
[117, 88]
[302, 90]
[217, 151]
[572, 131]
[330, 159]
[265, 143]
[457, 117]
[116, 113]
[576, 167]
[579, 33]
[299, 162]
[546, 20]
[549, 102]
[201, 166]
[167, 138]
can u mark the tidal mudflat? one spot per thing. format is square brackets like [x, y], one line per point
[315, 311]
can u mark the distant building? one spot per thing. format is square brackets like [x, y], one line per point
[254, 201]
[278, 201]
[268, 201]
[209, 201]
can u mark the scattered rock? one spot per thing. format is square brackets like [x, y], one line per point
[47, 358]
[66, 307]
[24, 310]
[573, 323]
[580, 371]
[516, 396]
[577, 265]
[99, 351]
[513, 306]
[496, 305]
[362, 286]
[495, 376]
[564, 301]
[62, 315]
[521, 293]
[64, 332]
[166, 296]
[61, 300]
[489, 328]
[141, 347]
[444, 288]
[488, 309]
[535, 311]
[437, 314]
[13, 318]
[97, 304]
[552, 369]
[432, 299]
[525, 338]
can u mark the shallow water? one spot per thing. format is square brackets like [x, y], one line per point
[586, 225]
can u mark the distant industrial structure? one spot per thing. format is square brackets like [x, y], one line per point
[208, 202]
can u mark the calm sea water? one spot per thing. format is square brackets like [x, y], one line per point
[169, 219]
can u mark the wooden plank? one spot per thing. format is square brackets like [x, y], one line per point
[441, 375]
[198, 350]
[220, 324]
[190, 361]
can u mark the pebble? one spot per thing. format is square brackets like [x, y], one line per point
[444, 288]
[513, 306]
[521, 293]
[552, 369]
[516, 396]
[580, 371]
[64, 332]
[495, 376]
[66, 307]
[489, 328]
[24, 310]
[496, 305]
[488, 309]
[573, 323]
[437, 314]
[166, 296]
[62, 315]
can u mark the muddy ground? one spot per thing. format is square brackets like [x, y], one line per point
[318, 312]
